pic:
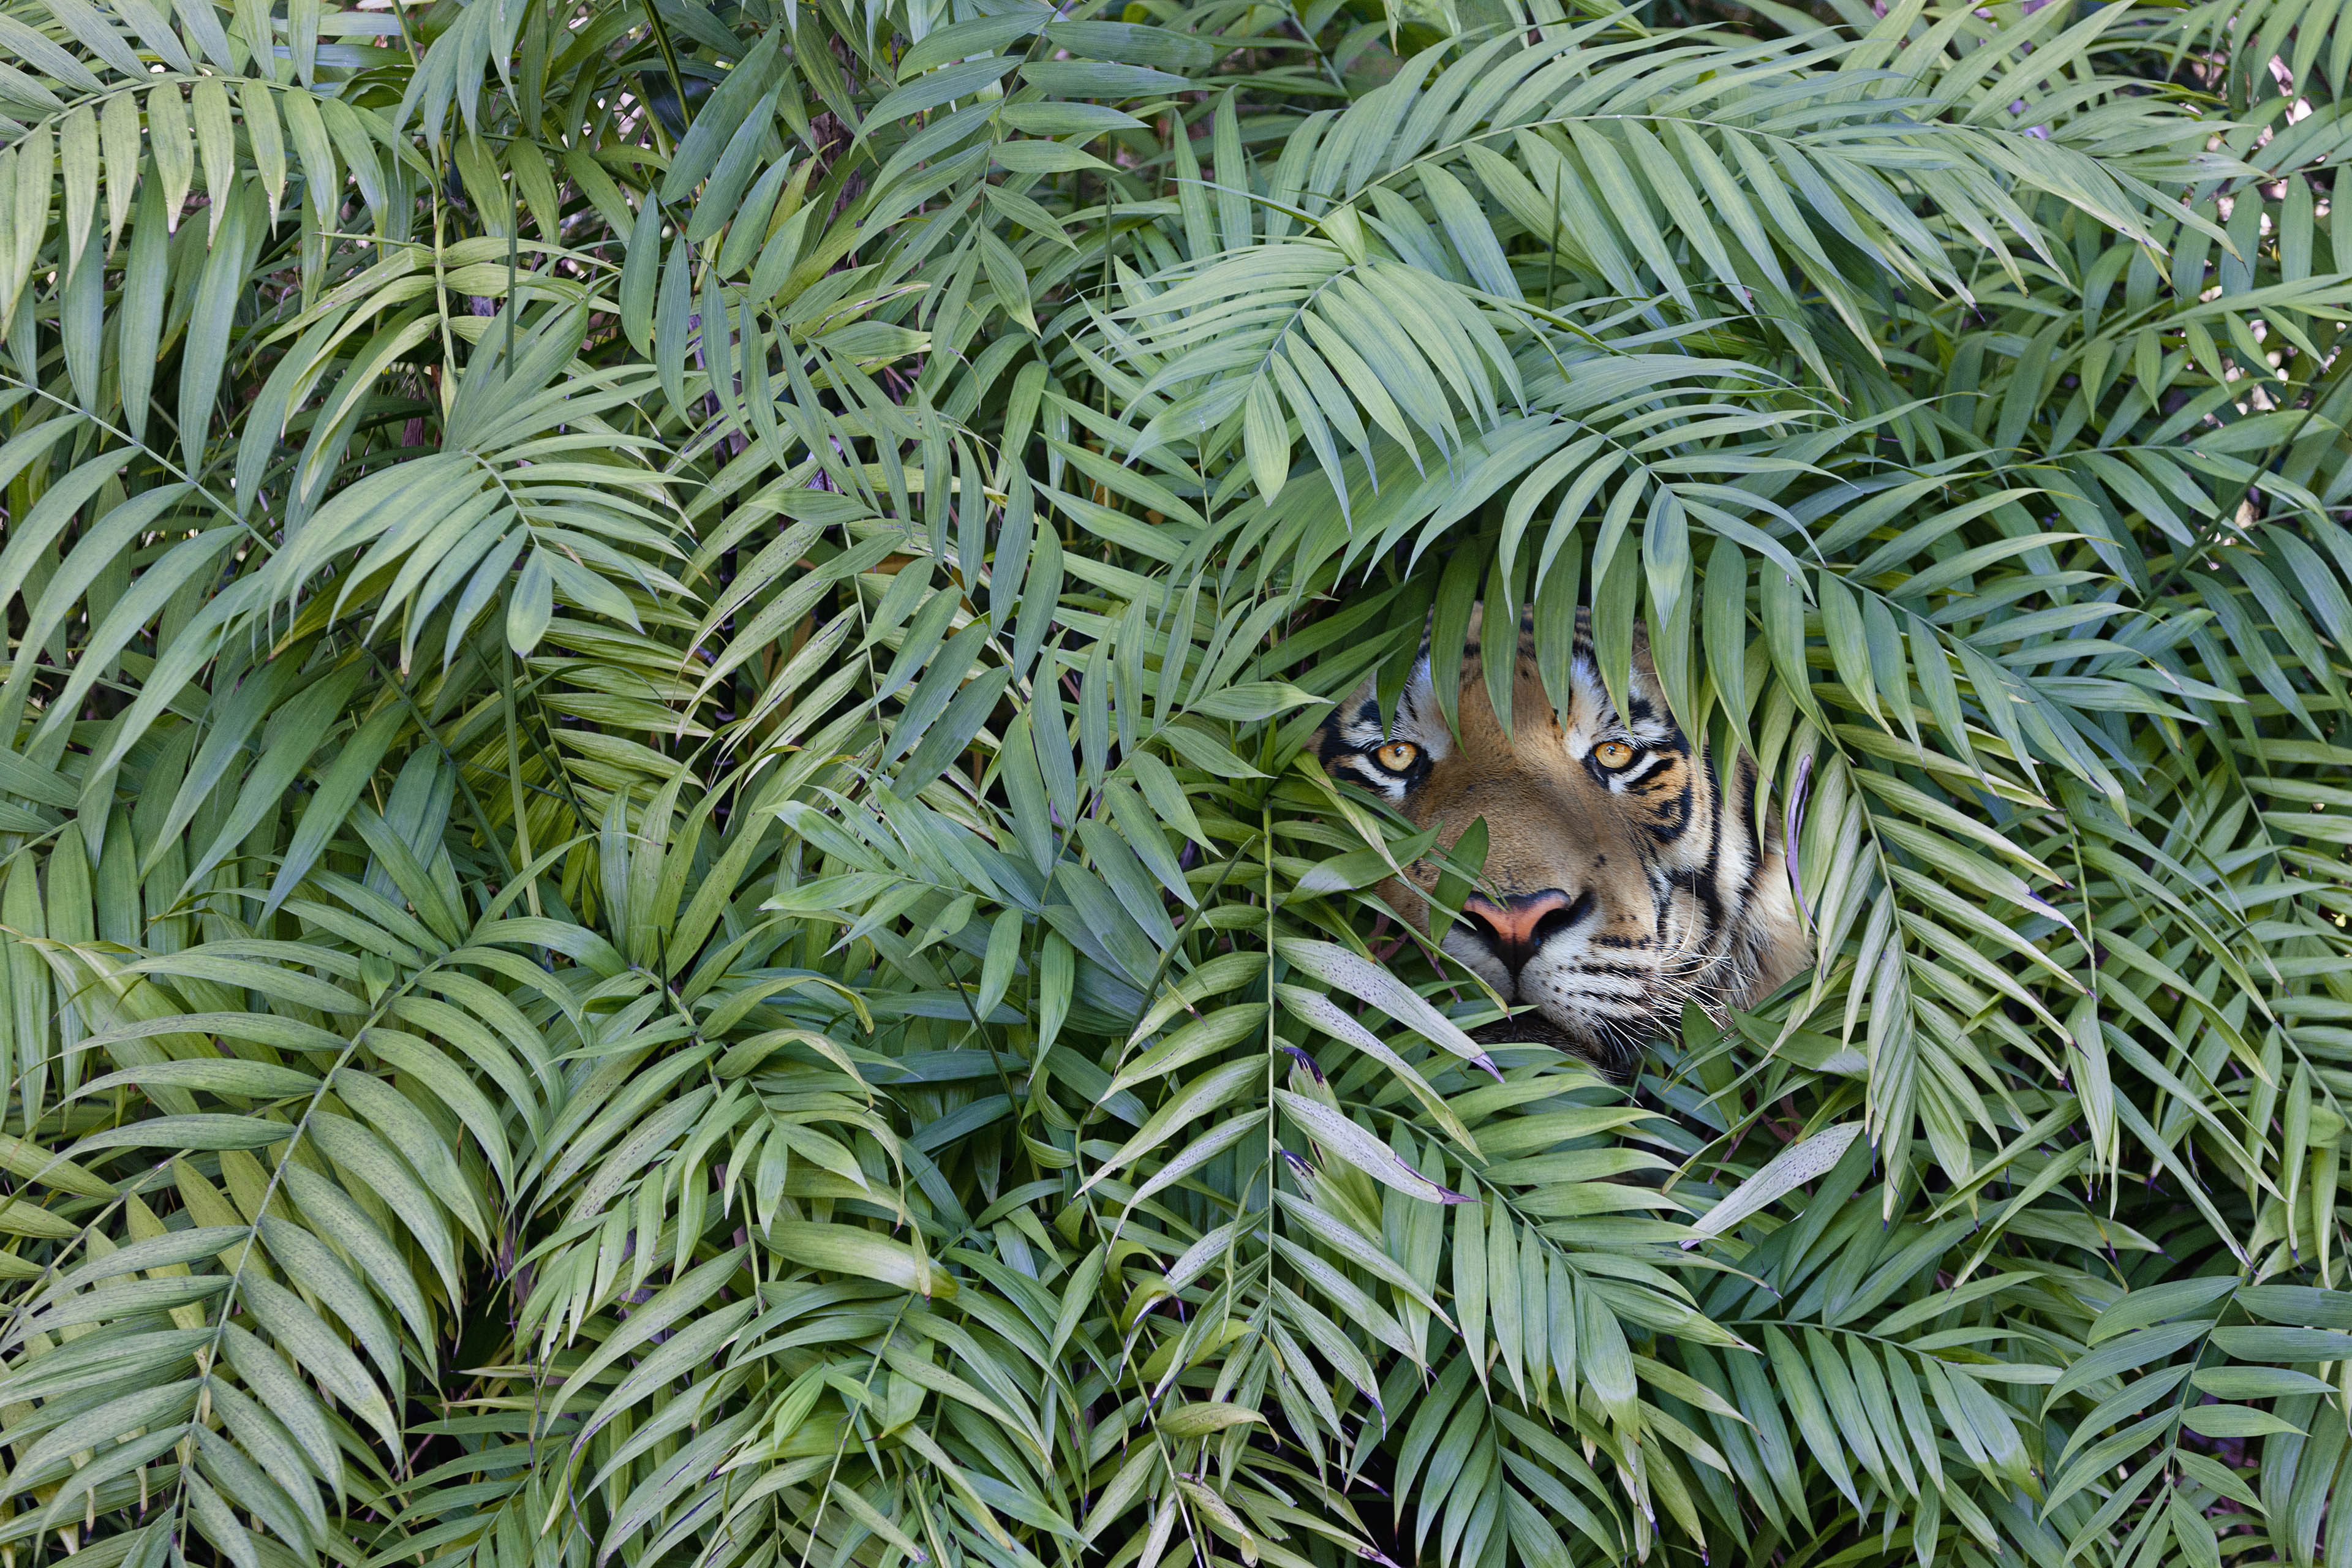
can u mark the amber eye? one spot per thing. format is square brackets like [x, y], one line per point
[1397, 755]
[1612, 754]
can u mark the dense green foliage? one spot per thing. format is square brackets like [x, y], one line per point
[659, 899]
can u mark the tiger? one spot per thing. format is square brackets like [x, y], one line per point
[1627, 882]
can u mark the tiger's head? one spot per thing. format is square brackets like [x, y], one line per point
[1630, 880]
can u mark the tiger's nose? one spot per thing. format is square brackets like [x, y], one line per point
[1515, 930]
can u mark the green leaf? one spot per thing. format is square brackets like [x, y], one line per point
[187, 1133]
[860, 1254]
[1339, 1137]
[1090, 79]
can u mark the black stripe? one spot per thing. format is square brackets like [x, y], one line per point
[1747, 825]
[1331, 742]
[1652, 770]
[1710, 894]
[1678, 816]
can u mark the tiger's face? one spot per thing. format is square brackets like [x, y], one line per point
[1630, 880]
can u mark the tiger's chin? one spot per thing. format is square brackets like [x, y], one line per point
[1611, 1047]
[1612, 1043]
[1606, 1013]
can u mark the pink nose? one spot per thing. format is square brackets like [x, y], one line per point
[1515, 929]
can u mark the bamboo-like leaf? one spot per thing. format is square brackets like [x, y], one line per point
[894, 527]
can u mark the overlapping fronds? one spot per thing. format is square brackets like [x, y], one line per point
[660, 897]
